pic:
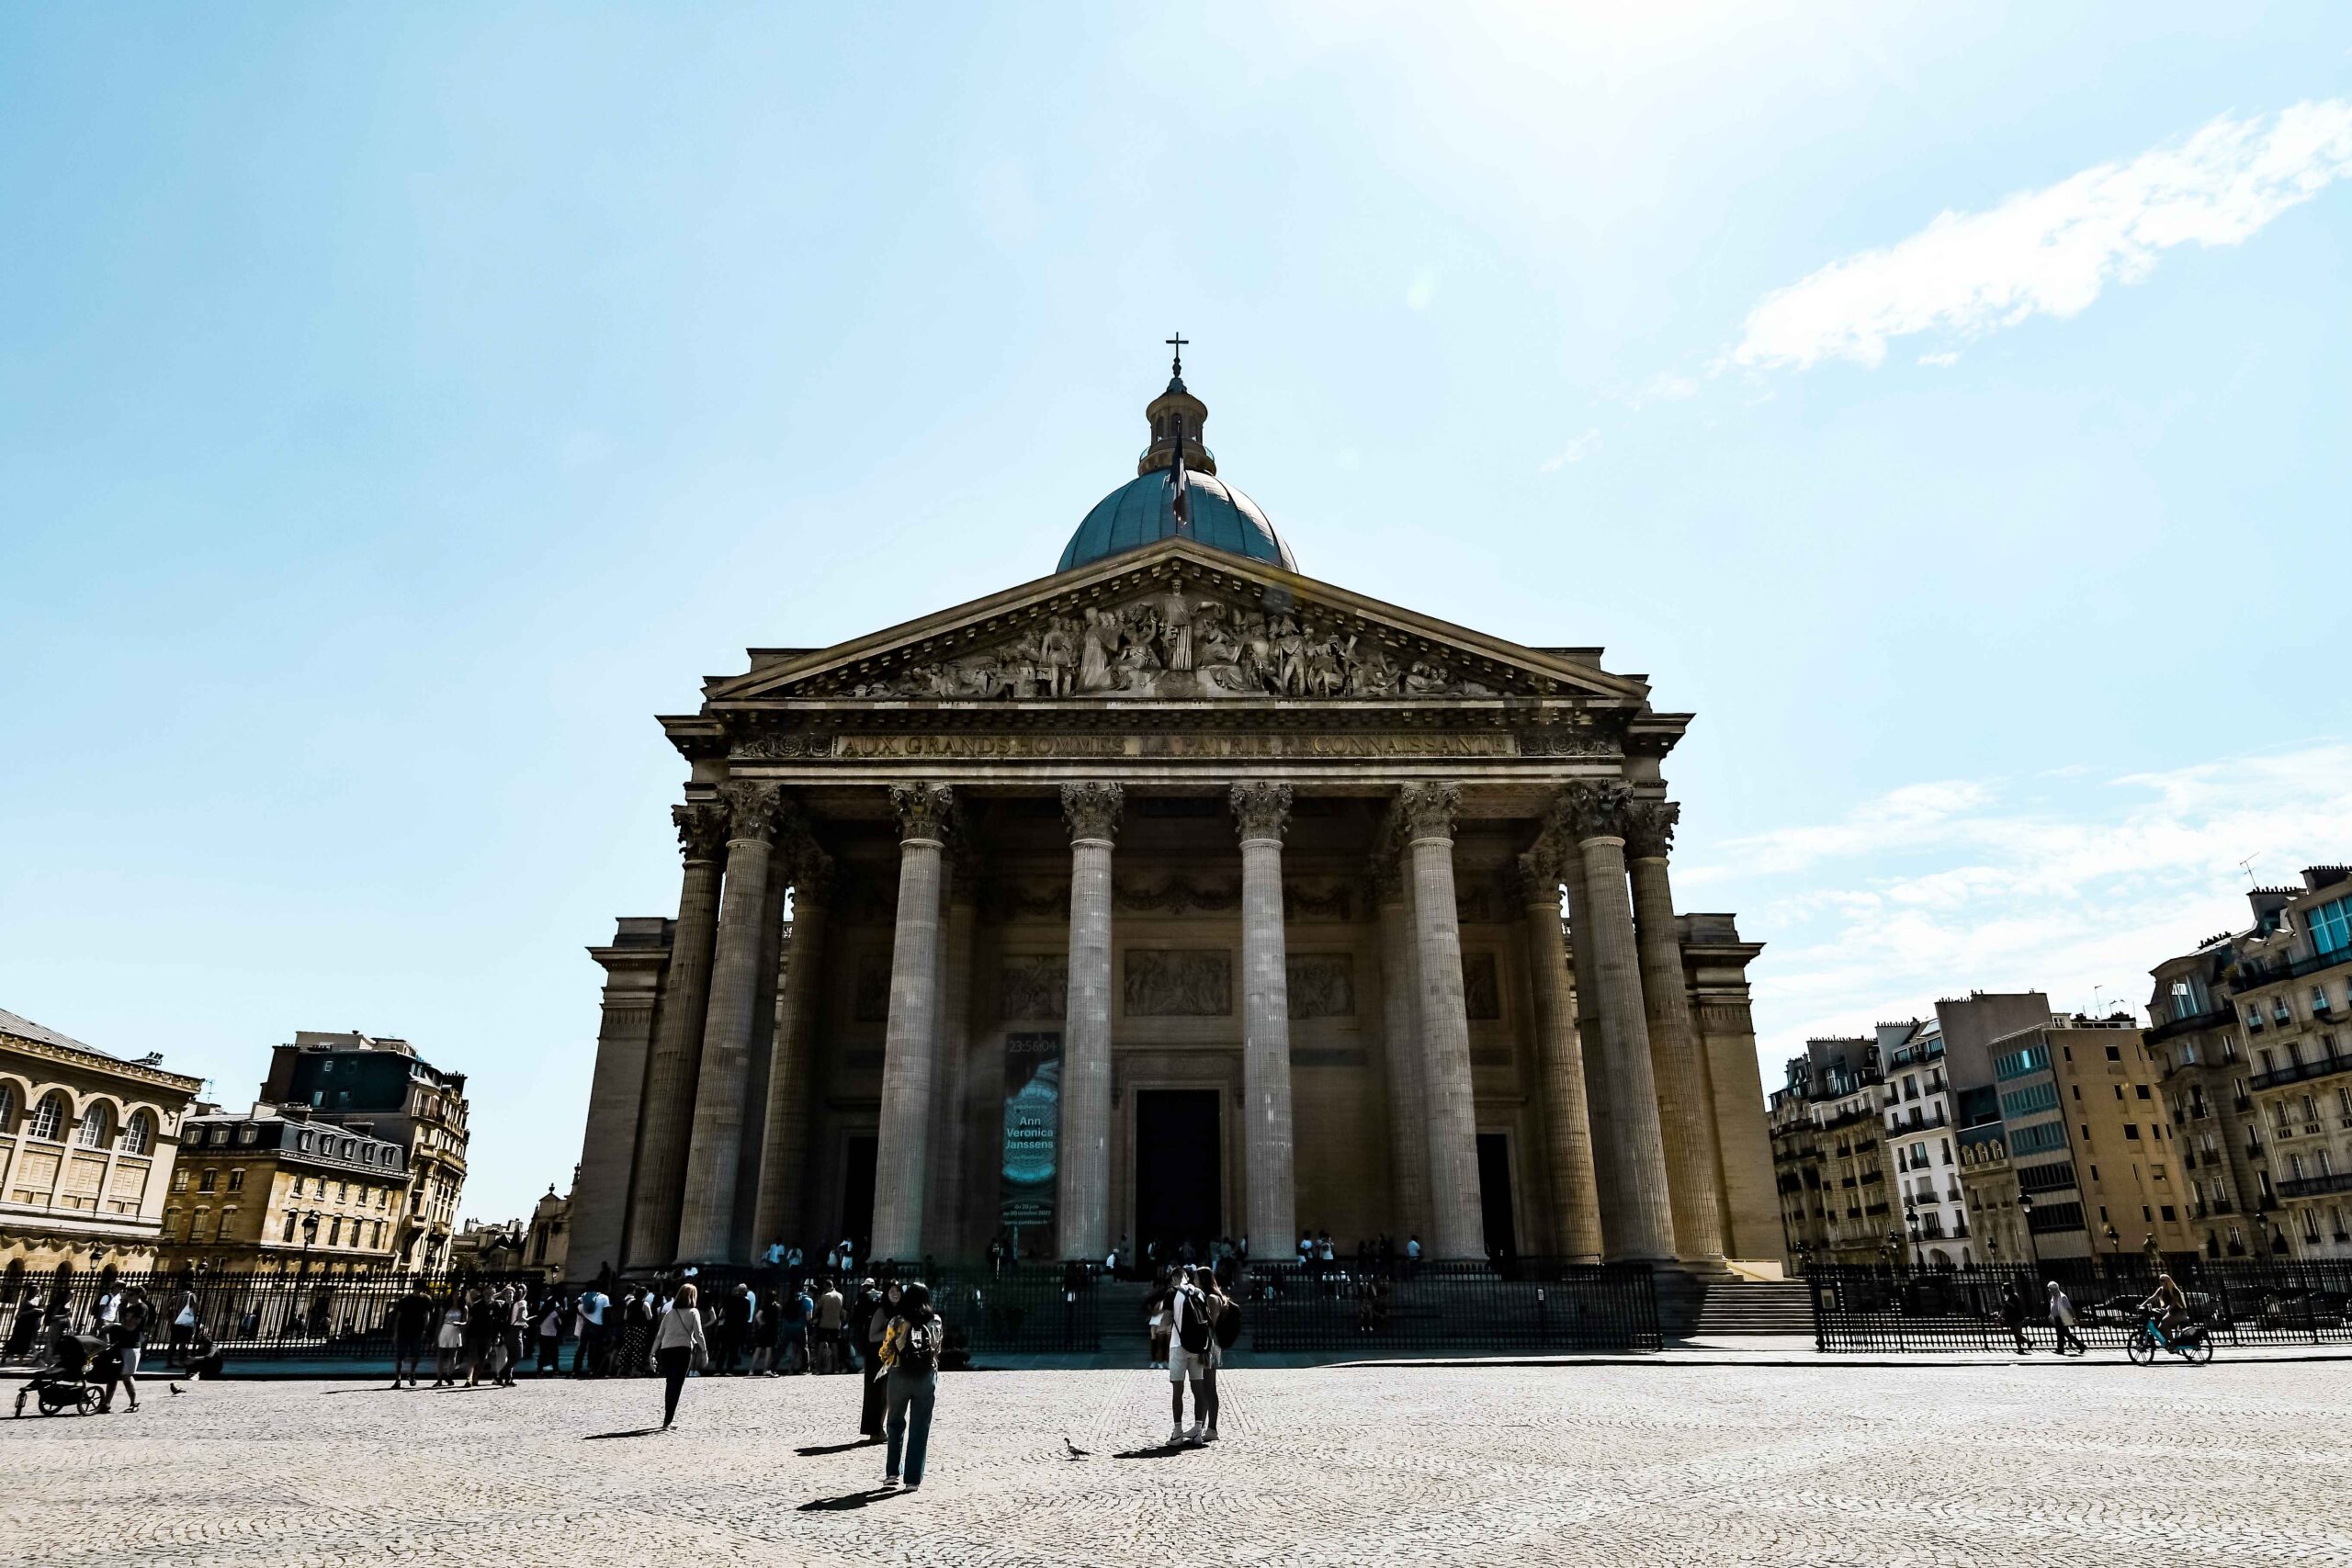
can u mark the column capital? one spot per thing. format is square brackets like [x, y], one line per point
[1261, 810]
[1540, 874]
[1594, 809]
[1093, 809]
[925, 811]
[1650, 828]
[812, 867]
[702, 828]
[1428, 810]
[754, 809]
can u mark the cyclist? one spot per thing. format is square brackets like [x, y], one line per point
[2167, 1308]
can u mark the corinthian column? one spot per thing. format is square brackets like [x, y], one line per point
[1567, 1127]
[1456, 1223]
[784, 1166]
[707, 1215]
[1684, 1110]
[660, 1185]
[1409, 1147]
[1082, 1198]
[1640, 1225]
[910, 1040]
[943, 1228]
[1261, 811]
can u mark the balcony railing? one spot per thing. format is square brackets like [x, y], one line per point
[2317, 1186]
[2302, 1072]
[2251, 975]
[2218, 1018]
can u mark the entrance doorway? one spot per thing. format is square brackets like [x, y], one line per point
[1179, 1196]
[1494, 1195]
[858, 1151]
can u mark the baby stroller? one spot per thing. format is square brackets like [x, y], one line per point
[62, 1383]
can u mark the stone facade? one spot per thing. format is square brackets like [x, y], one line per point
[273, 1191]
[1174, 830]
[86, 1147]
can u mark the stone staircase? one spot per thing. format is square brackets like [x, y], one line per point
[1695, 1307]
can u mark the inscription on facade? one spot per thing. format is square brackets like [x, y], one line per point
[1322, 984]
[896, 748]
[1179, 982]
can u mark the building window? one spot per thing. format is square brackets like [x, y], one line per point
[208, 1181]
[49, 1119]
[289, 1229]
[2115, 1052]
[138, 1133]
[2131, 1131]
[335, 1231]
[2330, 925]
[7, 1106]
[247, 1134]
[180, 1180]
[237, 1180]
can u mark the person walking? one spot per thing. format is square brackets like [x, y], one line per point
[2013, 1316]
[412, 1320]
[831, 1312]
[448, 1342]
[636, 1331]
[183, 1311]
[792, 1330]
[517, 1325]
[550, 1333]
[877, 1309]
[679, 1346]
[2062, 1319]
[912, 1342]
[122, 1331]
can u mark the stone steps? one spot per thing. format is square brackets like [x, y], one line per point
[1690, 1308]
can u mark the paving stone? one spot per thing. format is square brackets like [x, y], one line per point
[2088, 1463]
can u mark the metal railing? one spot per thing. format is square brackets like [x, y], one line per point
[2274, 1302]
[307, 1316]
[1527, 1304]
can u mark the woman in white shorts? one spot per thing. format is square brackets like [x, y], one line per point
[1194, 1305]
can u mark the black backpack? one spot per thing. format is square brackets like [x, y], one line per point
[1196, 1330]
[919, 1347]
[1228, 1324]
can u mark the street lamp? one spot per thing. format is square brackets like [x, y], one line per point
[2025, 1207]
[310, 1234]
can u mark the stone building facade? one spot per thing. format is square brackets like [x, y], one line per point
[1830, 1153]
[272, 1189]
[1171, 896]
[87, 1146]
[2249, 1036]
[379, 1085]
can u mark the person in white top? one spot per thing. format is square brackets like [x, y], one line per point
[678, 1348]
[1195, 1305]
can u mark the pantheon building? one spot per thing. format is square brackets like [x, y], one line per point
[1176, 894]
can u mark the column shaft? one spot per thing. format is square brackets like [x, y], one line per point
[743, 1241]
[944, 1231]
[909, 1050]
[616, 1109]
[1608, 1165]
[1643, 1226]
[1082, 1195]
[660, 1186]
[707, 1219]
[1456, 1221]
[1263, 810]
[783, 1167]
[1685, 1118]
[1409, 1148]
[1568, 1130]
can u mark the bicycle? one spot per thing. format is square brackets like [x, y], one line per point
[2191, 1344]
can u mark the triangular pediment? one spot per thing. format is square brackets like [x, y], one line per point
[1176, 621]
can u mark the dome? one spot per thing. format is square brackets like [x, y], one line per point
[1142, 512]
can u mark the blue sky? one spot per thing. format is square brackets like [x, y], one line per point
[398, 406]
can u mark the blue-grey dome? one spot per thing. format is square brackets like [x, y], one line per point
[1142, 512]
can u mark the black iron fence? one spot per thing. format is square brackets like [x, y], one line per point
[2275, 1302]
[1530, 1304]
[309, 1317]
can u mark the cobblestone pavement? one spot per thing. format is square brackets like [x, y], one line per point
[2087, 1463]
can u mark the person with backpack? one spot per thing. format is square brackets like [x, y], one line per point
[911, 1344]
[1195, 1305]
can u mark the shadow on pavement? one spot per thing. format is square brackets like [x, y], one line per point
[1165, 1450]
[848, 1500]
[632, 1432]
[819, 1449]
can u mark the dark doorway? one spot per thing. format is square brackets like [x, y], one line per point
[1494, 1195]
[1178, 1195]
[857, 1191]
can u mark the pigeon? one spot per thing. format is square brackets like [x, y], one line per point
[1075, 1451]
[175, 1388]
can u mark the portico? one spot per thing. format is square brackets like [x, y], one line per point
[1177, 844]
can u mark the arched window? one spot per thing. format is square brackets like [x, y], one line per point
[7, 1106]
[139, 1134]
[49, 1119]
[97, 1128]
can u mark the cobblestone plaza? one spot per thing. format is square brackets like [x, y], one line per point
[2089, 1463]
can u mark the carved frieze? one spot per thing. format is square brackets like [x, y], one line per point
[777, 747]
[1324, 899]
[1033, 988]
[1322, 984]
[1176, 895]
[1565, 743]
[1015, 898]
[1114, 745]
[1179, 982]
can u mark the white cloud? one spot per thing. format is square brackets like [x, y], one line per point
[1421, 291]
[1937, 888]
[1576, 451]
[2052, 251]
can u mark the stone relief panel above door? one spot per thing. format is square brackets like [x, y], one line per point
[1179, 983]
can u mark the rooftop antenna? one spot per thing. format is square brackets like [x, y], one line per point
[2247, 866]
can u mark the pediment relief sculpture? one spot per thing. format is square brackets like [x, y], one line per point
[1178, 644]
